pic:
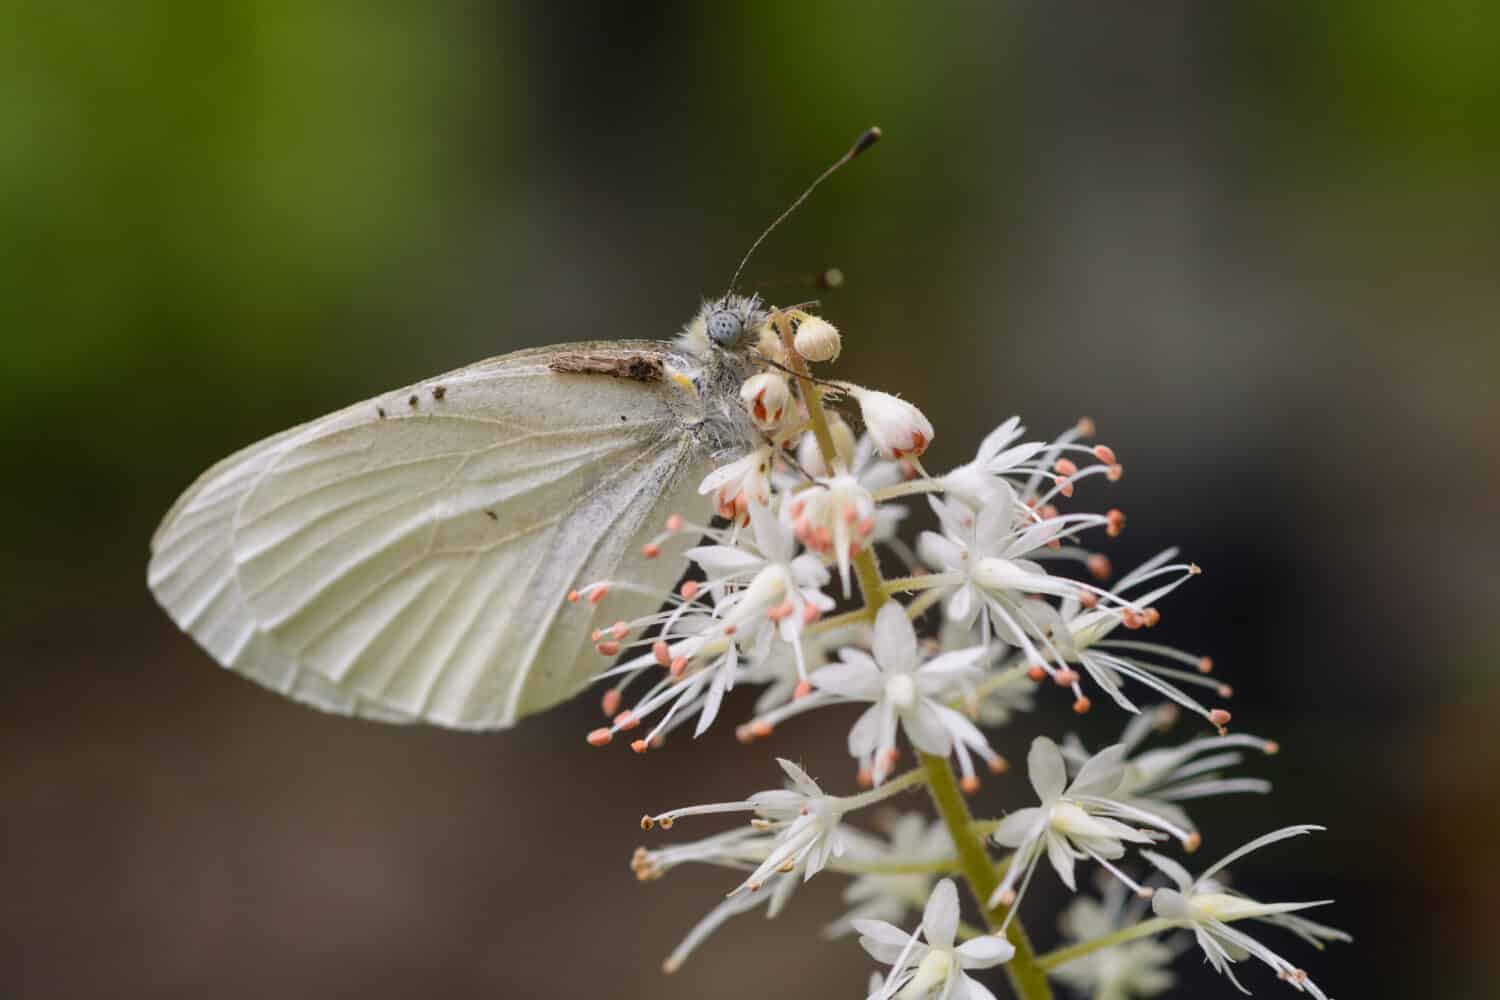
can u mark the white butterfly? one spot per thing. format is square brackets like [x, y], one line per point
[407, 558]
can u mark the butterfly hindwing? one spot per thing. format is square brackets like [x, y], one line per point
[408, 557]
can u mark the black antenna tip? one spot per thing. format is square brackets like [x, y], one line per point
[870, 138]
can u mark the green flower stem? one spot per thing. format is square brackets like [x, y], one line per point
[1062, 956]
[871, 586]
[917, 608]
[998, 681]
[811, 394]
[839, 621]
[983, 828]
[896, 785]
[1027, 979]
[910, 488]
[922, 581]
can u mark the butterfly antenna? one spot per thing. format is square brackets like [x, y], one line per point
[870, 137]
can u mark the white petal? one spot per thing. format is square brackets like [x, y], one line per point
[1171, 869]
[1170, 905]
[1101, 831]
[721, 475]
[888, 723]
[1015, 828]
[961, 605]
[1255, 845]
[939, 552]
[1101, 774]
[1014, 456]
[799, 777]
[995, 441]
[864, 736]
[882, 952]
[1062, 860]
[961, 729]
[991, 527]
[769, 537]
[782, 803]
[985, 951]
[808, 571]
[713, 700]
[940, 918]
[924, 727]
[895, 644]
[955, 518]
[960, 661]
[850, 679]
[881, 931]
[977, 990]
[719, 561]
[1044, 764]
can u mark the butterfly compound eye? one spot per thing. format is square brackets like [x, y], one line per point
[725, 328]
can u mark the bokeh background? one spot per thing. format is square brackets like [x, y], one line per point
[1255, 242]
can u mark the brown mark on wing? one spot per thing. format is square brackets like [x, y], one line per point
[642, 367]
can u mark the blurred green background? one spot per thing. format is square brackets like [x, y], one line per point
[1257, 243]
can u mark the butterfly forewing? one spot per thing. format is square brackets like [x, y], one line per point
[408, 557]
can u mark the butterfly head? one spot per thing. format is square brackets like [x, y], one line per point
[731, 322]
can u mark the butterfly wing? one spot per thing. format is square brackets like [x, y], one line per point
[407, 558]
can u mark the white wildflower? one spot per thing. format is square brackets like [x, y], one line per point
[986, 569]
[1074, 822]
[1208, 908]
[759, 595]
[1156, 781]
[742, 847]
[767, 398]
[1082, 636]
[810, 455]
[928, 962]
[764, 580]
[1004, 470]
[804, 820]
[737, 484]
[868, 469]
[903, 690]
[989, 572]
[898, 428]
[817, 339]
[835, 518]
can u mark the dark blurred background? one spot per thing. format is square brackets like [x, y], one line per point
[1257, 243]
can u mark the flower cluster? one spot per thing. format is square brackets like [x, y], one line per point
[1006, 599]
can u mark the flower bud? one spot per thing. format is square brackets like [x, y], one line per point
[898, 428]
[810, 456]
[766, 396]
[817, 339]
